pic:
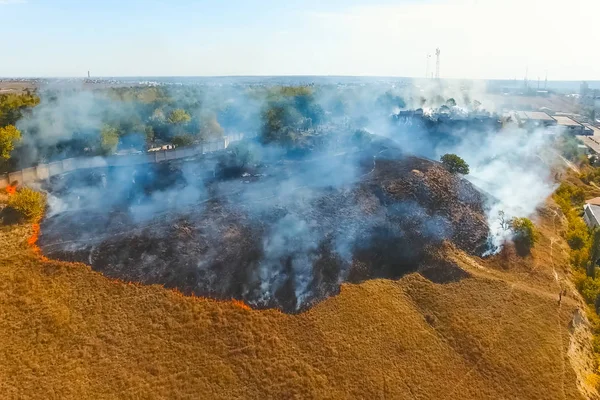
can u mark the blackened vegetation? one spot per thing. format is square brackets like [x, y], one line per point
[276, 239]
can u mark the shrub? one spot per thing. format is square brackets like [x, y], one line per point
[28, 203]
[239, 157]
[576, 240]
[524, 232]
[183, 140]
[361, 137]
[455, 164]
[589, 289]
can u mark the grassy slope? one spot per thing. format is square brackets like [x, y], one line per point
[68, 332]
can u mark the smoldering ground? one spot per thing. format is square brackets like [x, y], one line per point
[285, 236]
[284, 230]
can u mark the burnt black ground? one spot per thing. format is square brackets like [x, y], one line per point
[285, 236]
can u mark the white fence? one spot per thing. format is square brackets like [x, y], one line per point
[45, 171]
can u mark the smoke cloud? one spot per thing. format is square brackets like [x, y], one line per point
[308, 217]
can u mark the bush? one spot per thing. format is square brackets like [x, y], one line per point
[183, 140]
[524, 231]
[28, 203]
[361, 138]
[576, 240]
[240, 156]
[455, 164]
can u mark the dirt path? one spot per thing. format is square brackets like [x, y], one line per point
[570, 164]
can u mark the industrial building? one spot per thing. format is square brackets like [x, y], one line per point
[570, 126]
[534, 119]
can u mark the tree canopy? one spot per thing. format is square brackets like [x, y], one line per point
[9, 136]
[12, 106]
[455, 164]
[210, 128]
[109, 139]
[524, 231]
[179, 117]
[183, 140]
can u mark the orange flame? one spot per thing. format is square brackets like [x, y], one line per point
[32, 241]
[237, 303]
[10, 190]
[241, 304]
[34, 235]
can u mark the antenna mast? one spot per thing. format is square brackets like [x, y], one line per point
[437, 63]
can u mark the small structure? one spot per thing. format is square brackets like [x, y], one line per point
[588, 129]
[534, 119]
[569, 125]
[163, 147]
[591, 143]
[591, 214]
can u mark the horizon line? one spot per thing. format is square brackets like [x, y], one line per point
[290, 76]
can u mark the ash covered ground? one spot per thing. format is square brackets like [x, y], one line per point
[283, 235]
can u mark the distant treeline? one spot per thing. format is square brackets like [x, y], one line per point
[59, 123]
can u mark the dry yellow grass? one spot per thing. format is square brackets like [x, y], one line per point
[68, 332]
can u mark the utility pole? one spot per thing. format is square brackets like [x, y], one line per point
[437, 63]
[546, 81]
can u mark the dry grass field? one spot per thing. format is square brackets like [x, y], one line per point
[70, 333]
[16, 87]
[515, 102]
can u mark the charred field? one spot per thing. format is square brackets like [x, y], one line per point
[285, 234]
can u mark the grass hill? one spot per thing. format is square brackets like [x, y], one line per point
[496, 333]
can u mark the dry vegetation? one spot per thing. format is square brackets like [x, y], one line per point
[69, 332]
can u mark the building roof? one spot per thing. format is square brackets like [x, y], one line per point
[593, 212]
[565, 121]
[534, 116]
[595, 201]
[538, 115]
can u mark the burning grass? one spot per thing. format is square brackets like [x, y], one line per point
[10, 190]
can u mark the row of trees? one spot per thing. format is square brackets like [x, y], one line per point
[176, 127]
[12, 107]
[291, 114]
[71, 123]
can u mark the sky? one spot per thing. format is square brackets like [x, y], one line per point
[478, 39]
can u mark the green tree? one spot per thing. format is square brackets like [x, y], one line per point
[243, 153]
[455, 164]
[149, 131]
[12, 106]
[524, 232]
[9, 136]
[280, 121]
[361, 137]
[179, 117]
[109, 139]
[210, 127]
[158, 115]
[183, 140]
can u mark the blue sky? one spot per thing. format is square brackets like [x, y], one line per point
[478, 38]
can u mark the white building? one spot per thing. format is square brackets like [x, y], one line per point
[591, 212]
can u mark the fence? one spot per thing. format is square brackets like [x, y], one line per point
[45, 171]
